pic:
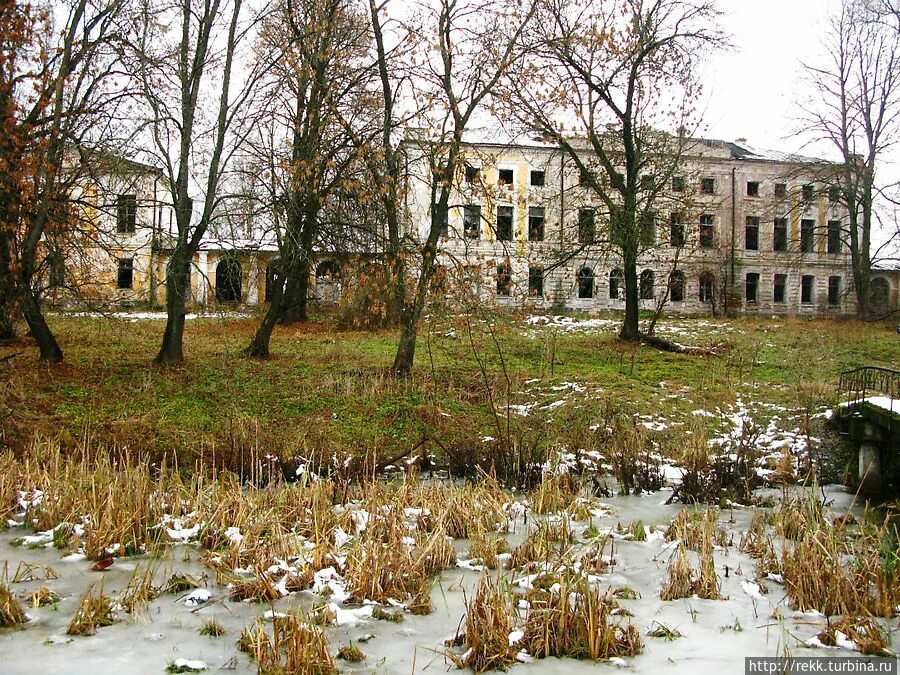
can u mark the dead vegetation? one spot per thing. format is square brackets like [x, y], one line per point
[11, 613]
[577, 621]
[685, 582]
[293, 646]
[94, 611]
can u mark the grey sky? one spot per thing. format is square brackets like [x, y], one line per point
[752, 90]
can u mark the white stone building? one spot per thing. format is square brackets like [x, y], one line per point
[760, 234]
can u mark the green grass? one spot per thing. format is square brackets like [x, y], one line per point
[325, 390]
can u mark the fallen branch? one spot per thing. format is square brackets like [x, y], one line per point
[674, 347]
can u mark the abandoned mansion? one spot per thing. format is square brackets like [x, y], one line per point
[756, 232]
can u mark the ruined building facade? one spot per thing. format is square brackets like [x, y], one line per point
[740, 231]
[745, 232]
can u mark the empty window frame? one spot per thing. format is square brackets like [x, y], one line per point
[834, 194]
[473, 173]
[751, 233]
[677, 183]
[676, 230]
[586, 226]
[504, 279]
[707, 231]
[779, 235]
[125, 278]
[676, 286]
[806, 289]
[584, 177]
[616, 280]
[536, 282]
[647, 282]
[708, 186]
[504, 223]
[780, 190]
[751, 287]
[834, 291]
[779, 288]
[752, 188]
[585, 283]
[126, 213]
[707, 287]
[505, 176]
[538, 178]
[807, 193]
[536, 217]
[648, 228]
[834, 236]
[807, 232]
[472, 221]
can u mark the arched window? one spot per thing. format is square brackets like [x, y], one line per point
[585, 283]
[707, 287]
[646, 285]
[616, 283]
[676, 286]
[228, 280]
[879, 296]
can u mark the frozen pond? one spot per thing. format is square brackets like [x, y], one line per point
[717, 634]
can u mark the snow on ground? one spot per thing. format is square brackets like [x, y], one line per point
[159, 316]
[691, 329]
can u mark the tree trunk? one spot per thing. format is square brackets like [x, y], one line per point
[630, 327]
[259, 345]
[172, 349]
[7, 327]
[295, 306]
[406, 346]
[37, 324]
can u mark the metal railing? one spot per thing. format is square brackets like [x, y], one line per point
[859, 384]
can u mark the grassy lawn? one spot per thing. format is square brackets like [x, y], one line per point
[325, 392]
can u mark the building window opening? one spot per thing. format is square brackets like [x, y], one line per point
[535, 282]
[536, 223]
[585, 283]
[616, 280]
[676, 286]
[647, 282]
[806, 289]
[779, 288]
[126, 273]
[751, 287]
[751, 234]
[504, 223]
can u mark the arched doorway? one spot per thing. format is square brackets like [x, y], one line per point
[328, 282]
[228, 280]
[879, 296]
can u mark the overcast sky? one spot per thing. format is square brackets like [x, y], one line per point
[751, 91]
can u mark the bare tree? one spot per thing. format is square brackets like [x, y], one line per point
[466, 48]
[316, 97]
[58, 102]
[185, 69]
[855, 107]
[614, 85]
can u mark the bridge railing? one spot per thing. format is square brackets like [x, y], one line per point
[859, 384]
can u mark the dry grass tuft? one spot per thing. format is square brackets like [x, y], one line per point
[139, 591]
[28, 572]
[11, 613]
[94, 611]
[864, 632]
[295, 646]
[683, 582]
[486, 547]
[488, 626]
[351, 653]
[697, 529]
[577, 622]
[549, 541]
[556, 493]
[212, 628]
[44, 596]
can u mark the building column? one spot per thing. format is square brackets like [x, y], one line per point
[203, 278]
[253, 280]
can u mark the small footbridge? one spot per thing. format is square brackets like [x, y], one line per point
[870, 415]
